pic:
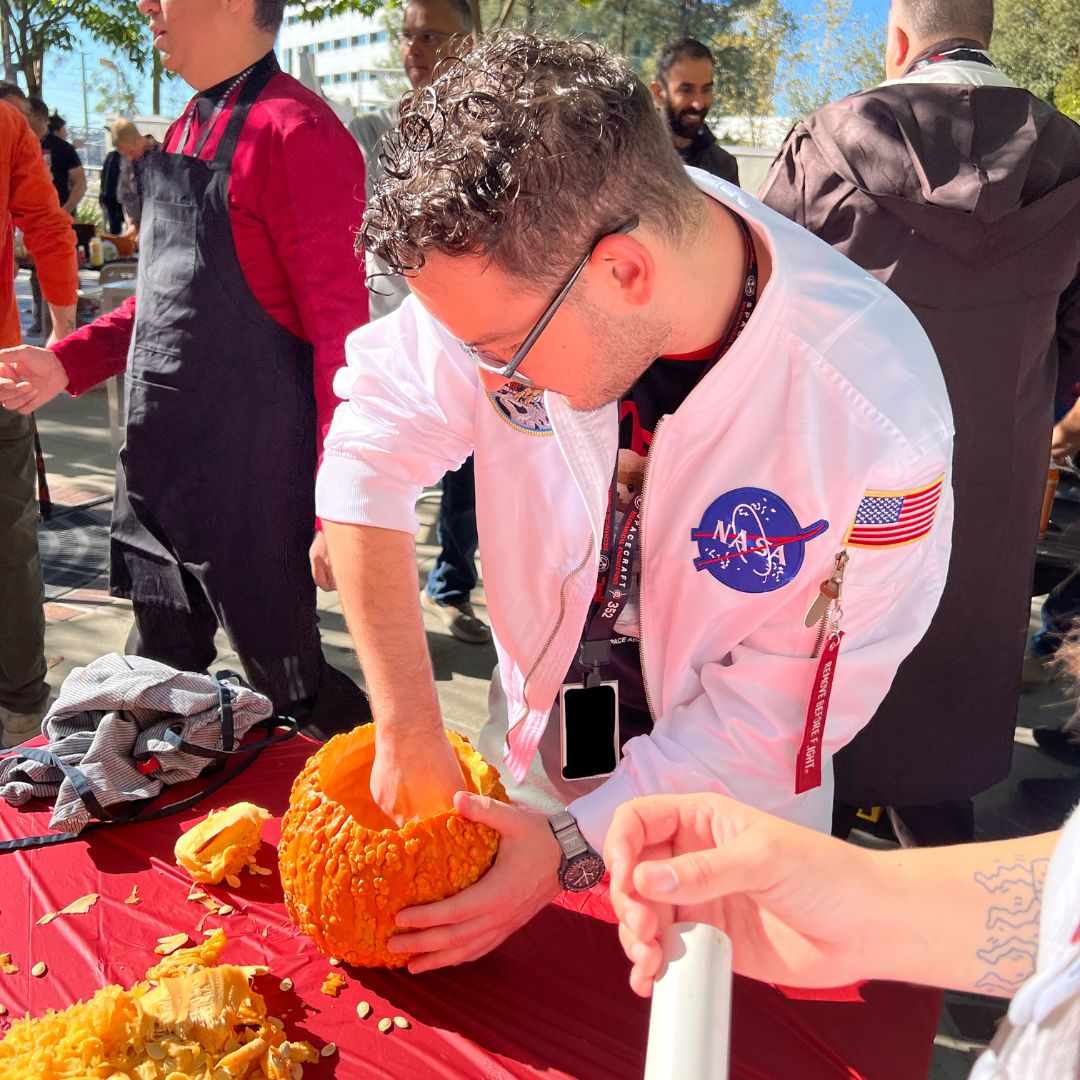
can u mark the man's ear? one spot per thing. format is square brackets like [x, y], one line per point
[898, 49]
[628, 268]
[657, 94]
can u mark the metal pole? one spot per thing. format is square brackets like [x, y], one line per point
[85, 104]
[690, 1022]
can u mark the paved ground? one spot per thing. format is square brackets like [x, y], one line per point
[84, 622]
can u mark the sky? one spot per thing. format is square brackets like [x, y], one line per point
[63, 75]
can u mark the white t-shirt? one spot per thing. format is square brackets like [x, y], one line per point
[1040, 1040]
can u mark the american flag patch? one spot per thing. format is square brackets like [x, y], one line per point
[888, 519]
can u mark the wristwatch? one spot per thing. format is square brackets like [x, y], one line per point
[581, 867]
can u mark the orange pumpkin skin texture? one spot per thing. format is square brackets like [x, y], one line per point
[347, 870]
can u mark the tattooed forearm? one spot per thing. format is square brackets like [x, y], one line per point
[1012, 923]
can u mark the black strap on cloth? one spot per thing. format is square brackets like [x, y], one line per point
[971, 56]
[137, 810]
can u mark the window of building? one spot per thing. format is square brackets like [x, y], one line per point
[341, 43]
[380, 36]
[322, 46]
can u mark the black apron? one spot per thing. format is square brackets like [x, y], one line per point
[216, 480]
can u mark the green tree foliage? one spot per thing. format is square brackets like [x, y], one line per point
[1067, 92]
[1036, 42]
[760, 39]
[837, 52]
[30, 27]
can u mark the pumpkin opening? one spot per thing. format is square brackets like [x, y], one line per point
[345, 777]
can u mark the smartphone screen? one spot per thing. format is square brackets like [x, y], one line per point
[590, 730]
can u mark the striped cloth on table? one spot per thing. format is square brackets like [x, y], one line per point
[110, 715]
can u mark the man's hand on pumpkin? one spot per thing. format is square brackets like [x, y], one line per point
[523, 880]
[415, 773]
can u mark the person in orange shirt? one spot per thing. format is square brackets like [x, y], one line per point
[28, 200]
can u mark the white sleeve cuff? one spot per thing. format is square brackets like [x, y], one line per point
[349, 490]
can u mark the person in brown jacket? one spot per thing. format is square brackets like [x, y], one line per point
[29, 201]
[961, 192]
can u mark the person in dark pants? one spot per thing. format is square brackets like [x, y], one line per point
[430, 27]
[109, 199]
[245, 295]
[683, 92]
[28, 199]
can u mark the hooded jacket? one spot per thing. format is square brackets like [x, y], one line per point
[960, 192]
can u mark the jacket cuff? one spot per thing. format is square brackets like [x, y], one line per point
[348, 490]
[593, 812]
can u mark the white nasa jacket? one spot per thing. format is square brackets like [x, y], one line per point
[831, 392]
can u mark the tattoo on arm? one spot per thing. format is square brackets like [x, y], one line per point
[1012, 923]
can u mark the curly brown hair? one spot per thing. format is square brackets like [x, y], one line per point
[524, 150]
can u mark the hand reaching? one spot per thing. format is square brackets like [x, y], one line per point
[29, 377]
[796, 904]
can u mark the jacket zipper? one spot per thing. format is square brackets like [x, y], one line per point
[828, 602]
[641, 566]
[554, 630]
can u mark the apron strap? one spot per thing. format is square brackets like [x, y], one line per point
[250, 89]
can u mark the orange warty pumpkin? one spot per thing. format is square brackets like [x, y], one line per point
[347, 870]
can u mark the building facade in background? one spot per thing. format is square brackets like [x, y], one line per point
[351, 59]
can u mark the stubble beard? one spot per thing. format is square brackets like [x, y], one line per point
[625, 348]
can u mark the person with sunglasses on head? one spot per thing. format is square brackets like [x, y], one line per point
[430, 29]
[712, 473]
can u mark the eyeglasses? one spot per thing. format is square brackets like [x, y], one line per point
[426, 38]
[495, 365]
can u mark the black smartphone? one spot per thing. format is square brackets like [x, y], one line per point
[589, 721]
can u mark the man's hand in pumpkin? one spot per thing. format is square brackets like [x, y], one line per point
[477, 920]
[415, 772]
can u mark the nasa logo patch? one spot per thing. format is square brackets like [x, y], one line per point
[750, 540]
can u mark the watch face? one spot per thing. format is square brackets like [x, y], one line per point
[583, 873]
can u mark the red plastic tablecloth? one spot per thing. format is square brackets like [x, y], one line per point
[551, 1002]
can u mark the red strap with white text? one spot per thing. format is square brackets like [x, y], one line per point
[808, 763]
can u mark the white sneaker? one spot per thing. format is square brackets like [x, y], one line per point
[18, 727]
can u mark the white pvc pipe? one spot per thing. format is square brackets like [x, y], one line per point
[690, 1022]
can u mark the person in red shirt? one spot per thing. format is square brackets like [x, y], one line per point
[247, 288]
[27, 200]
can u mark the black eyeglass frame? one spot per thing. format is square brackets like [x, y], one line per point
[494, 365]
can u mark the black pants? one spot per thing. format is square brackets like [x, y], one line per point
[278, 646]
[23, 688]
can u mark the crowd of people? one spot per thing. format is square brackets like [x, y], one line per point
[756, 483]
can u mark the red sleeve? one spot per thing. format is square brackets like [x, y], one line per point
[92, 354]
[316, 202]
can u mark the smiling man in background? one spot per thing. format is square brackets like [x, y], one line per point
[683, 92]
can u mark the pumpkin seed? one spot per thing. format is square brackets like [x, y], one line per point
[273, 1021]
[38, 969]
[233, 880]
[3, 1010]
[363, 1010]
[401, 1022]
[386, 1025]
[225, 909]
[285, 985]
[329, 1050]
[154, 1051]
[297, 1071]
[335, 962]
